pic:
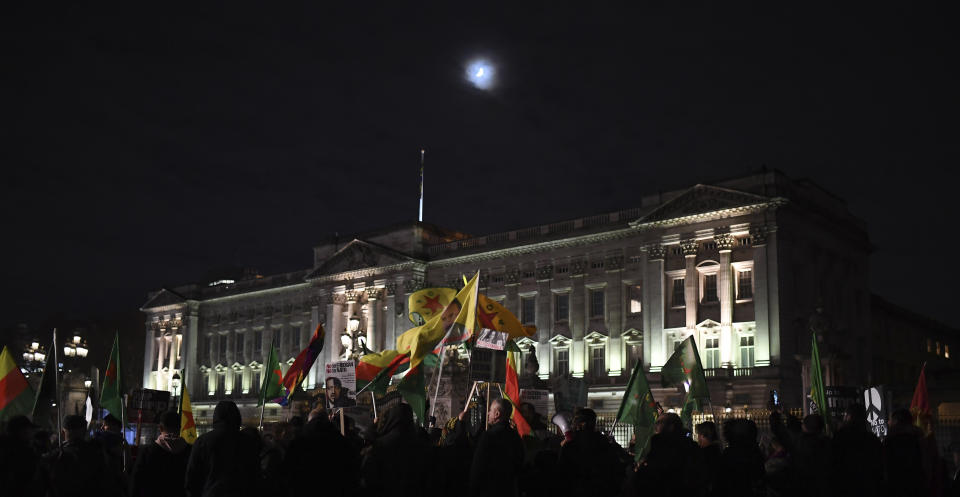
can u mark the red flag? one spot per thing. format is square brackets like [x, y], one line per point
[920, 405]
[301, 365]
[512, 390]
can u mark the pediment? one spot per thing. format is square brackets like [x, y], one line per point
[164, 298]
[357, 255]
[632, 336]
[704, 202]
[595, 338]
[560, 341]
[709, 323]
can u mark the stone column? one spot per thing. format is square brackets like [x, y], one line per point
[316, 372]
[578, 303]
[761, 302]
[725, 293]
[691, 283]
[653, 308]
[373, 338]
[390, 320]
[149, 353]
[191, 344]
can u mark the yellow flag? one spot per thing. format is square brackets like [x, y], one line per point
[493, 315]
[455, 324]
[428, 302]
[188, 428]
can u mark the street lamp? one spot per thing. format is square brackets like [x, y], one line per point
[34, 357]
[175, 383]
[75, 348]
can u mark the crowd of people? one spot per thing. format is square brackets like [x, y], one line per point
[396, 457]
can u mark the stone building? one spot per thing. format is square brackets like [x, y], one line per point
[742, 265]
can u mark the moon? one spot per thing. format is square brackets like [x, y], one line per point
[481, 74]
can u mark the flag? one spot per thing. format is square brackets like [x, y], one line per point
[44, 411]
[188, 427]
[272, 386]
[512, 388]
[455, 324]
[301, 365]
[493, 315]
[425, 304]
[111, 395]
[817, 391]
[684, 368]
[16, 396]
[375, 370]
[920, 404]
[639, 409]
[413, 389]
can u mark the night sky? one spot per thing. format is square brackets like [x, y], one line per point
[145, 148]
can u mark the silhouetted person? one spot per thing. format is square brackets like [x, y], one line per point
[590, 462]
[162, 465]
[320, 461]
[779, 471]
[79, 468]
[903, 457]
[111, 441]
[809, 451]
[673, 465]
[741, 468]
[857, 466]
[223, 462]
[710, 452]
[396, 461]
[498, 456]
[19, 462]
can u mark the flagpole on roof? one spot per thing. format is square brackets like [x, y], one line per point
[422, 153]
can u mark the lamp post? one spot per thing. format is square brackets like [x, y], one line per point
[34, 358]
[353, 338]
[175, 383]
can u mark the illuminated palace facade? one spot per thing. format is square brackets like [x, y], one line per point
[746, 266]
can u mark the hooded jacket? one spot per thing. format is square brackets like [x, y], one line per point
[223, 462]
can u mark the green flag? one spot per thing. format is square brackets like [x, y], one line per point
[817, 391]
[272, 387]
[639, 409]
[413, 388]
[45, 402]
[111, 395]
[685, 369]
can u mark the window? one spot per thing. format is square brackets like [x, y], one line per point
[294, 339]
[528, 310]
[221, 383]
[711, 353]
[563, 362]
[596, 303]
[938, 347]
[562, 306]
[746, 351]
[239, 344]
[596, 264]
[946, 351]
[257, 377]
[678, 293]
[237, 382]
[744, 284]
[635, 294]
[562, 269]
[710, 288]
[634, 355]
[597, 363]
[223, 349]
[257, 344]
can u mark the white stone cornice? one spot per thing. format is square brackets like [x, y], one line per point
[577, 241]
[252, 293]
[772, 204]
[368, 272]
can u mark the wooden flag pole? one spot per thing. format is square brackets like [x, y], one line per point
[343, 430]
[373, 399]
[436, 392]
[470, 395]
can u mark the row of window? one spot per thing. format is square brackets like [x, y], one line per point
[596, 307]
[938, 349]
[710, 354]
[291, 346]
[709, 290]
